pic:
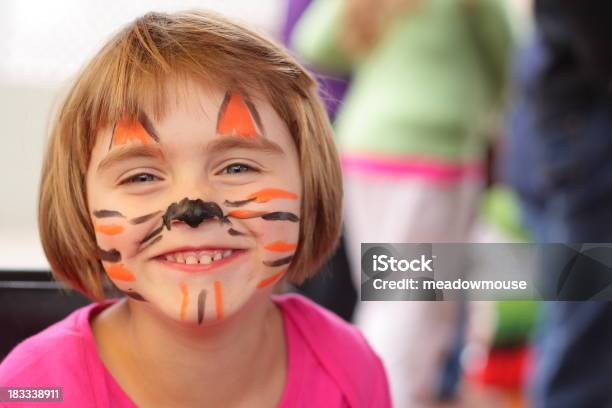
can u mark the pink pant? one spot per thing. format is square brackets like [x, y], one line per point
[411, 337]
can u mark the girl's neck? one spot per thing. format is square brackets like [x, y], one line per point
[160, 361]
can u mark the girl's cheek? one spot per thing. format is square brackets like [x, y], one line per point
[118, 235]
[285, 229]
[118, 243]
[270, 232]
[277, 242]
[111, 240]
[124, 242]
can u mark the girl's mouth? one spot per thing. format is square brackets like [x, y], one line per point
[199, 260]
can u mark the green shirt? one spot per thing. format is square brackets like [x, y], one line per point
[426, 87]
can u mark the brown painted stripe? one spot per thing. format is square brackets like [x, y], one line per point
[234, 232]
[112, 255]
[238, 203]
[112, 136]
[201, 305]
[144, 218]
[135, 295]
[148, 126]
[107, 214]
[152, 234]
[153, 241]
[280, 216]
[254, 114]
[223, 107]
[279, 262]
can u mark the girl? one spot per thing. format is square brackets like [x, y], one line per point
[192, 167]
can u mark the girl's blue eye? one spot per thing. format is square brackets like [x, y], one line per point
[237, 168]
[140, 178]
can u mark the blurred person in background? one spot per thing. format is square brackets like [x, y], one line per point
[559, 159]
[425, 75]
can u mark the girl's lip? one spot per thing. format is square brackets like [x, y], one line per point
[201, 267]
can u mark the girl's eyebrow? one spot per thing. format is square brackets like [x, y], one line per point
[130, 152]
[239, 142]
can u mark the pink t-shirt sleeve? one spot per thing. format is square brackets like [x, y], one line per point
[337, 366]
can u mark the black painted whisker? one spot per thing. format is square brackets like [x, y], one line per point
[112, 255]
[280, 216]
[201, 305]
[238, 203]
[144, 218]
[152, 234]
[112, 136]
[148, 126]
[134, 295]
[234, 232]
[153, 241]
[107, 214]
[279, 262]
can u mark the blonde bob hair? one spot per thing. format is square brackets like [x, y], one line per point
[130, 72]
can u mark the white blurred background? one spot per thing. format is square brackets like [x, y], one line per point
[42, 47]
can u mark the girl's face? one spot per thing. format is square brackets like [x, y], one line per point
[198, 212]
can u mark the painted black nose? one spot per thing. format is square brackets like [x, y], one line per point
[192, 212]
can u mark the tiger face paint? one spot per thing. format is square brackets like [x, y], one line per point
[238, 116]
[198, 212]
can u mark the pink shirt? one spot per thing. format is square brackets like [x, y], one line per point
[329, 362]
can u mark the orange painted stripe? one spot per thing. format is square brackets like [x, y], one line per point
[236, 120]
[129, 129]
[185, 300]
[218, 300]
[119, 272]
[270, 280]
[280, 246]
[244, 214]
[267, 194]
[109, 229]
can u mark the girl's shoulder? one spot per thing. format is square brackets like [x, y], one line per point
[339, 348]
[58, 356]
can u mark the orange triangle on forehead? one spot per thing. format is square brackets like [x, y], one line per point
[235, 117]
[130, 129]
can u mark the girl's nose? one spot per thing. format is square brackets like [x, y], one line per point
[192, 212]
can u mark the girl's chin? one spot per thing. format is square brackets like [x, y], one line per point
[200, 306]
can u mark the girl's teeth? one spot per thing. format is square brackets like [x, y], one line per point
[192, 258]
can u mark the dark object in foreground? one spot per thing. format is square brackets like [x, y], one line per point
[31, 301]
